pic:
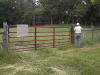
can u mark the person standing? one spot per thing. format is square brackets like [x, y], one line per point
[78, 30]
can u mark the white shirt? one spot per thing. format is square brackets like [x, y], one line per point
[77, 29]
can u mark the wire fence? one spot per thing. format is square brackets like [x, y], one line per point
[47, 36]
[91, 35]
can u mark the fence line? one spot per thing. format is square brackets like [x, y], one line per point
[87, 33]
[91, 34]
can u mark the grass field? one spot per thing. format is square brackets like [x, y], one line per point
[49, 61]
[64, 60]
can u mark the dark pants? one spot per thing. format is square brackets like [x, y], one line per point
[78, 39]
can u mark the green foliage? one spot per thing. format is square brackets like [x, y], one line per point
[58, 8]
[80, 10]
[18, 11]
[50, 6]
[95, 1]
[39, 11]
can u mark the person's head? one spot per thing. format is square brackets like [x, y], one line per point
[78, 24]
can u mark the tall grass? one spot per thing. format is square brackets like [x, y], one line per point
[8, 57]
[52, 61]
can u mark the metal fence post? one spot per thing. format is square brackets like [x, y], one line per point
[72, 35]
[54, 37]
[5, 36]
[35, 38]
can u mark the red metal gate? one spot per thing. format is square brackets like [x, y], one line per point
[39, 36]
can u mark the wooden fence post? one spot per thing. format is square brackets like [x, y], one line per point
[72, 35]
[5, 36]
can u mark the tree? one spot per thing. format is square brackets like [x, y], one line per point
[50, 7]
[58, 8]
[18, 11]
[28, 12]
[80, 10]
[94, 17]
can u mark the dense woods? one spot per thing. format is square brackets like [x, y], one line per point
[50, 11]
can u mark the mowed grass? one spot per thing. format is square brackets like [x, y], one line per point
[63, 60]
